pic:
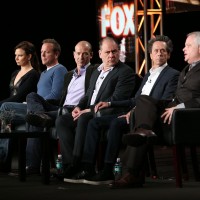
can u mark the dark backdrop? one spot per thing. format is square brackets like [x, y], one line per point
[69, 22]
[177, 26]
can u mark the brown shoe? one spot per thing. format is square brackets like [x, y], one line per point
[127, 181]
[139, 137]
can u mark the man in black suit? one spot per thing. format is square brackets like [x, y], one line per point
[112, 81]
[160, 82]
[187, 95]
[42, 113]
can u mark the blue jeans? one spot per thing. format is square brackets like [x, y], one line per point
[20, 111]
[19, 118]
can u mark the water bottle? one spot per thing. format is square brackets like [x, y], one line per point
[59, 165]
[118, 169]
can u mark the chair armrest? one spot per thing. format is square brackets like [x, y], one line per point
[185, 126]
[62, 111]
[132, 119]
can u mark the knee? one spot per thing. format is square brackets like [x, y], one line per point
[6, 106]
[31, 95]
[118, 122]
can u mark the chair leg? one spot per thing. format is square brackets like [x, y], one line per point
[177, 168]
[195, 164]
[185, 171]
[152, 162]
[147, 167]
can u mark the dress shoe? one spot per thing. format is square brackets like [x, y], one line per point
[80, 177]
[70, 171]
[127, 181]
[32, 171]
[39, 120]
[139, 137]
[103, 177]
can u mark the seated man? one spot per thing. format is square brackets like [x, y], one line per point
[50, 83]
[112, 81]
[43, 114]
[160, 82]
[187, 95]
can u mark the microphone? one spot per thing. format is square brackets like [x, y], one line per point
[102, 77]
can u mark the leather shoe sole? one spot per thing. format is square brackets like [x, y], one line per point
[39, 120]
[127, 181]
[138, 139]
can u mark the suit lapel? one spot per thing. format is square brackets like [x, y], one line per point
[106, 80]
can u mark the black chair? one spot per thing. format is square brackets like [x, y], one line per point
[184, 132]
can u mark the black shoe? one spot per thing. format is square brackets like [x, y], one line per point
[39, 119]
[70, 171]
[32, 171]
[101, 178]
[80, 177]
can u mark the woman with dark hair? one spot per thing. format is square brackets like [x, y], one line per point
[24, 80]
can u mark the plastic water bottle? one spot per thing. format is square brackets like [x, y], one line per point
[59, 165]
[118, 169]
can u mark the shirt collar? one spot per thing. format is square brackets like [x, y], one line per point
[100, 68]
[82, 71]
[194, 63]
[158, 69]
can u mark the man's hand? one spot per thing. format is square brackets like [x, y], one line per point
[80, 113]
[167, 115]
[101, 105]
[127, 116]
[76, 112]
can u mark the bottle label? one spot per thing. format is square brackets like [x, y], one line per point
[59, 165]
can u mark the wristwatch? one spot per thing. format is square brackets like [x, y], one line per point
[109, 104]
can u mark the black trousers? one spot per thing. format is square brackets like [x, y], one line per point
[114, 128]
[147, 115]
[72, 136]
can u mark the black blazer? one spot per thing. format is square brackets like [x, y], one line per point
[68, 77]
[164, 87]
[118, 85]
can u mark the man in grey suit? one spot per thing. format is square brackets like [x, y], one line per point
[160, 82]
[187, 95]
[112, 81]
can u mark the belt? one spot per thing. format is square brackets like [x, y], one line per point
[69, 106]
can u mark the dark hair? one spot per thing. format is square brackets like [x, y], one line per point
[108, 38]
[29, 48]
[162, 38]
[56, 45]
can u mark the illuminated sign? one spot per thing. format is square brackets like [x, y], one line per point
[118, 19]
